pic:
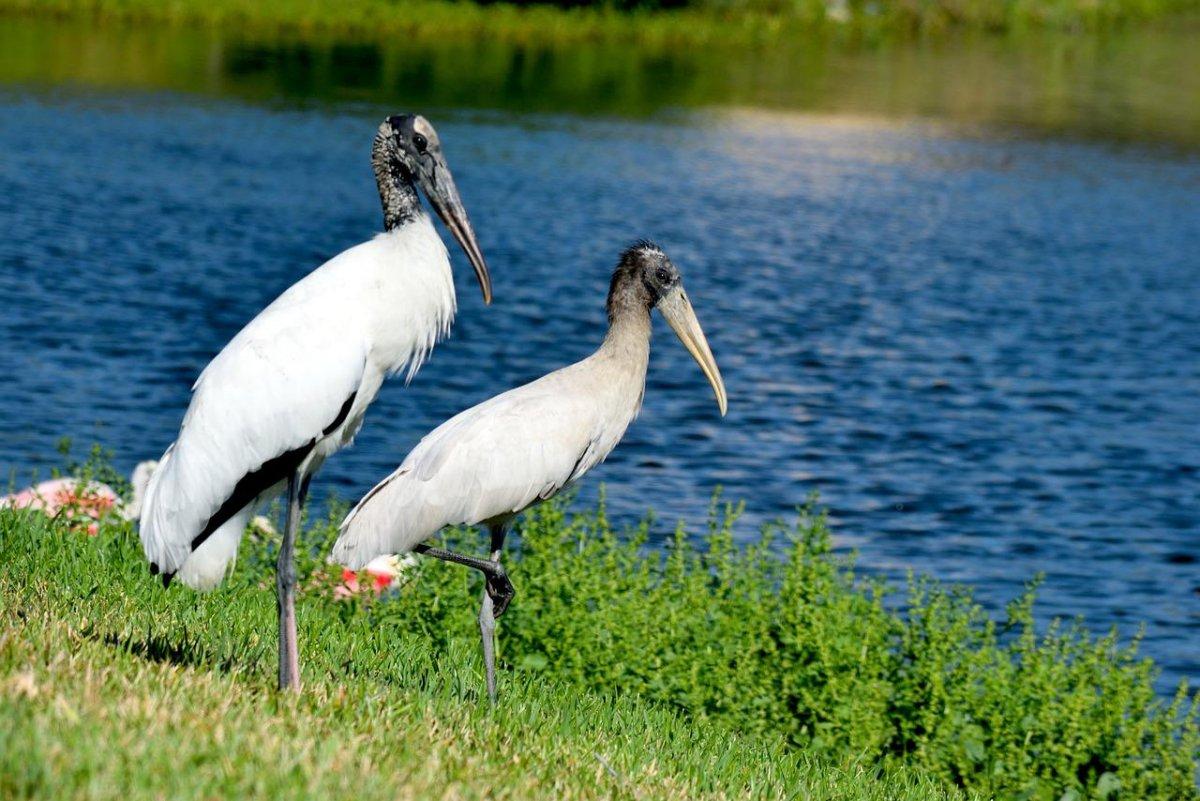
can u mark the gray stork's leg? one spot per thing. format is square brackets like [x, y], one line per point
[488, 615]
[497, 593]
[487, 636]
[285, 587]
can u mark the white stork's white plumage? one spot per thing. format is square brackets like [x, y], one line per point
[490, 462]
[291, 388]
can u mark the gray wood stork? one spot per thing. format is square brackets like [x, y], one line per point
[490, 462]
[291, 388]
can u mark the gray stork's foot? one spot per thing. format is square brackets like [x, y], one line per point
[500, 590]
[495, 577]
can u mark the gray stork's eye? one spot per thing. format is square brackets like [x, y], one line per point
[420, 143]
[662, 275]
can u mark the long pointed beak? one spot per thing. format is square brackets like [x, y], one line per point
[443, 196]
[679, 314]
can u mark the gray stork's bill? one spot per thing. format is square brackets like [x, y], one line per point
[487, 464]
[291, 388]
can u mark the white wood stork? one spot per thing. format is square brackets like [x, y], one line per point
[490, 462]
[291, 388]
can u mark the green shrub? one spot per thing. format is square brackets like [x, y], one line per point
[680, 21]
[805, 649]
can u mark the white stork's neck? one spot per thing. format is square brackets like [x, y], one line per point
[397, 192]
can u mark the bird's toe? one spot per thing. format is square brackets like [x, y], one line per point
[501, 591]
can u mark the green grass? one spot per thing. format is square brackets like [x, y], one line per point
[711, 672]
[702, 21]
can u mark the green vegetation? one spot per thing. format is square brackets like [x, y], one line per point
[1137, 84]
[660, 21]
[111, 687]
[714, 672]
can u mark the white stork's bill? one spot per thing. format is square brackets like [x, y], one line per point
[292, 387]
[492, 461]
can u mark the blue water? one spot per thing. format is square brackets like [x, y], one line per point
[983, 352]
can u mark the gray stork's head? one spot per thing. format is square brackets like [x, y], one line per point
[407, 149]
[647, 277]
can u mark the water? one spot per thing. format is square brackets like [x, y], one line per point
[982, 349]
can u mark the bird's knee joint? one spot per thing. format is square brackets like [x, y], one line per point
[285, 575]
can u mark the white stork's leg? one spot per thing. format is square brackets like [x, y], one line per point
[285, 586]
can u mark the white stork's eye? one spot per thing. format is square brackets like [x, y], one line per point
[420, 143]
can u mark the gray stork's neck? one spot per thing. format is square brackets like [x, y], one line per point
[397, 192]
[628, 337]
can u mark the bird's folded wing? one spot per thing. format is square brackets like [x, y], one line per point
[492, 460]
[257, 408]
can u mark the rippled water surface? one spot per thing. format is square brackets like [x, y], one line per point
[983, 352]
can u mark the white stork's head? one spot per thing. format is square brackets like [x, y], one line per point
[410, 151]
[647, 278]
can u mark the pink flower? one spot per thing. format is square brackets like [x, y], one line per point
[380, 575]
[380, 581]
[349, 586]
[66, 498]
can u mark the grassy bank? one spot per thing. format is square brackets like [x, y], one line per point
[715, 672]
[113, 688]
[701, 21]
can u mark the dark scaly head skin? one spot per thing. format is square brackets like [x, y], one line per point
[407, 153]
[647, 279]
[415, 145]
[644, 276]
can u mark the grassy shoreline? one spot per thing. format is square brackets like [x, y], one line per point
[733, 23]
[710, 671]
[111, 688]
